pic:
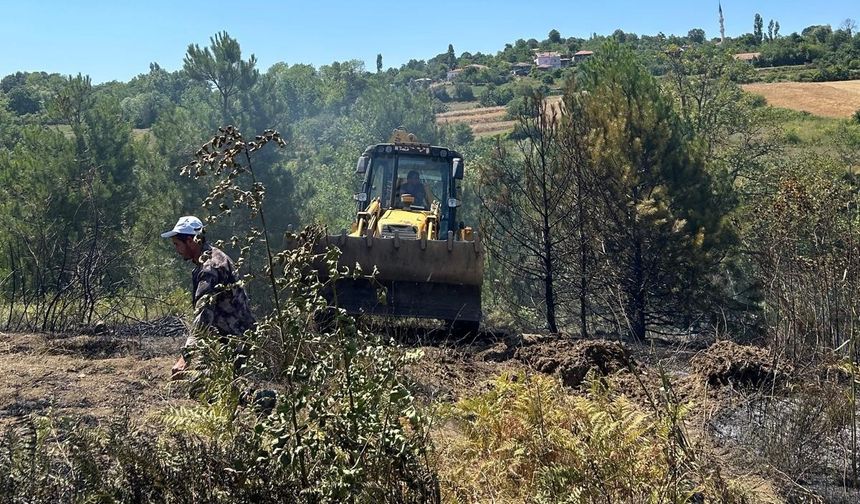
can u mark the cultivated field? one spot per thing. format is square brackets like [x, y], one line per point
[483, 120]
[830, 99]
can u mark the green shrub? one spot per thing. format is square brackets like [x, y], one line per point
[463, 92]
[457, 135]
[441, 94]
[757, 101]
[792, 137]
[495, 96]
[518, 107]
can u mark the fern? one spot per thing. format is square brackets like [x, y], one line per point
[527, 439]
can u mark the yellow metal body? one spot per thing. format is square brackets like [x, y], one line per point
[378, 222]
[425, 274]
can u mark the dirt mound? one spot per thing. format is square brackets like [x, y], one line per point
[727, 363]
[447, 374]
[93, 347]
[571, 360]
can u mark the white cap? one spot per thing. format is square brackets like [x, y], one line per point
[188, 225]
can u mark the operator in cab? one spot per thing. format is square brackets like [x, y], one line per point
[416, 188]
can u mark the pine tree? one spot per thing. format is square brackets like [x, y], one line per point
[758, 28]
[526, 193]
[451, 59]
[661, 232]
[221, 66]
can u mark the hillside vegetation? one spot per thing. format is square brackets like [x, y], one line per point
[670, 307]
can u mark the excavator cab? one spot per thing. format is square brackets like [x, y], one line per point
[424, 177]
[428, 264]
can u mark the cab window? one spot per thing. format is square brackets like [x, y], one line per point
[423, 177]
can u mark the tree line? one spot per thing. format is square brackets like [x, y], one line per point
[639, 207]
[639, 204]
[86, 187]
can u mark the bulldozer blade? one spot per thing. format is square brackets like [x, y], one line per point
[428, 261]
[422, 278]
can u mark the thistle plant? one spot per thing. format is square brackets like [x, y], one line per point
[344, 426]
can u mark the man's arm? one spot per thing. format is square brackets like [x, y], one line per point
[203, 318]
[428, 195]
[204, 314]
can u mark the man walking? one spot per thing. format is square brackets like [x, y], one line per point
[220, 305]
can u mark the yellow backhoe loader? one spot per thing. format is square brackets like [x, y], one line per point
[430, 264]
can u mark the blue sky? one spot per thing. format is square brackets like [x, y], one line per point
[116, 40]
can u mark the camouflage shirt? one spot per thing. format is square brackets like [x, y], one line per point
[218, 303]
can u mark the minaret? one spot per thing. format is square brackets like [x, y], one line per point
[722, 24]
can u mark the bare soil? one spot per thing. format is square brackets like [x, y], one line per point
[86, 377]
[90, 377]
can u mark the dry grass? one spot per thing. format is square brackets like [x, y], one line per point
[494, 128]
[830, 99]
[484, 121]
[471, 116]
[86, 377]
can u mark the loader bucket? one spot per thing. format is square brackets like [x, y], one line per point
[438, 279]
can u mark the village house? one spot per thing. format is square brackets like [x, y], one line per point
[521, 68]
[452, 74]
[580, 56]
[548, 60]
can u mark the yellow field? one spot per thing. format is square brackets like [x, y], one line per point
[830, 99]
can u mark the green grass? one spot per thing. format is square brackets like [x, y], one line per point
[462, 105]
[805, 129]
